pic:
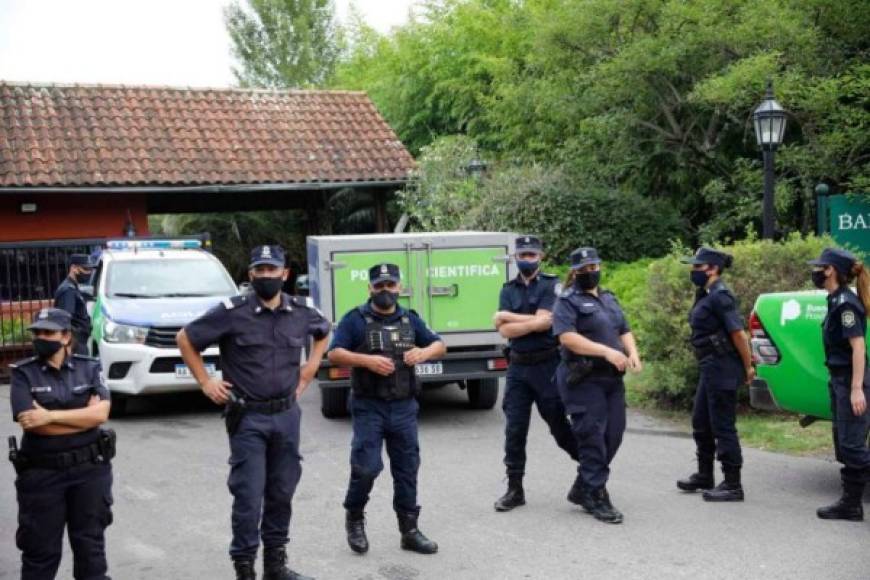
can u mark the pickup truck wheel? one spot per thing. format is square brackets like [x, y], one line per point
[482, 393]
[119, 405]
[333, 402]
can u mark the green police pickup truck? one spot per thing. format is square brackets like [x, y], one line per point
[786, 332]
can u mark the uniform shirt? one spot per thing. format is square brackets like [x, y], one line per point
[845, 319]
[67, 297]
[714, 311]
[351, 332]
[69, 387]
[520, 298]
[597, 318]
[260, 348]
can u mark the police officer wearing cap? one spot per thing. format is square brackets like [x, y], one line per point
[597, 348]
[64, 471]
[261, 336]
[525, 317]
[69, 297]
[724, 361]
[843, 333]
[382, 342]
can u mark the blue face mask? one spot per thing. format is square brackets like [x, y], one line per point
[528, 267]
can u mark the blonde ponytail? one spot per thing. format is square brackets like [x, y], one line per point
[862, 283]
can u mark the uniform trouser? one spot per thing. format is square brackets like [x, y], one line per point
[714, 419]
[528, 385]
[265, 467]
[376, 422]
[597, 410]
[850, 432]
[81, 343]
[78, 498]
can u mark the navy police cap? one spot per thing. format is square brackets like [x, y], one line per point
[529, 244]
[270, 255]
[841, 260]
[82, 260]
[51, 319]
[707, 255]
[583, 257]
[383, 273]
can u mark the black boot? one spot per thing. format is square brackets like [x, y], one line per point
[412, 538]
[355, 524]
[275, 566]
[601, 508]
[578, 494]
[849, 507]
[703, 479]
[514, 497]
[244, 570]
[729, 490]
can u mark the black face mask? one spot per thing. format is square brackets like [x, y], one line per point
[267, 287]
[46, 348]
[699, 278]
[528, 267]
[83, 278]
[385, 299]
[819, 278]
[588, 280]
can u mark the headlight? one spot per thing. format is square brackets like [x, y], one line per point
[114, 332]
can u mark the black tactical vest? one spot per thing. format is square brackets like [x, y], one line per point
[392, 340]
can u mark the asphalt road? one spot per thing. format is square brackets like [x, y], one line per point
[172, 506]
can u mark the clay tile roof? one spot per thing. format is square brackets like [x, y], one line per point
[62, 135]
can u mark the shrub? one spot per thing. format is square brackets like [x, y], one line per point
[759, 267]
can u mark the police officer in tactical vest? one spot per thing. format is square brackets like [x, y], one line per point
[261, 336]
[525, 317]
[68, 297]
[383, 342]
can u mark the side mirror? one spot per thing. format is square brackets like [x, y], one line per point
[87, 291]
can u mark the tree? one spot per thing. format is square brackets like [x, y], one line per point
[283, 43]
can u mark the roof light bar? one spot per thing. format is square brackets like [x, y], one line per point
[154, 244]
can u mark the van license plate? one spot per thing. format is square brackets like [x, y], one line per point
[182, 372]
[429, 369]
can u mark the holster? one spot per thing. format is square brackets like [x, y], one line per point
[578, 369]
[233, 413]
[14, 455]
[713, 344]
[107, 443]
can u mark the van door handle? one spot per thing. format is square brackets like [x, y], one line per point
[330, 265]
[504, 258]
[452, 290]
[406, 292]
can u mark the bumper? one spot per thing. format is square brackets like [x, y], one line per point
[760, 396]
[136, 369]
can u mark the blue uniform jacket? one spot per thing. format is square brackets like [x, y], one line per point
[260, 348]
[351, 331]
[845, 319]
[597, 318]
[520, 298]
[68, 297]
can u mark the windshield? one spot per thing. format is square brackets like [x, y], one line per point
[162, 278]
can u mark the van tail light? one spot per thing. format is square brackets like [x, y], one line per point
[496, 364]
[763, 350]
[339, 373]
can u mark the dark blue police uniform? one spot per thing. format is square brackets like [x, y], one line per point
[378, 420]
[63, 480]
[531, 376]
[596, 403]
[846, 318]
[68, 297]
[260, 356]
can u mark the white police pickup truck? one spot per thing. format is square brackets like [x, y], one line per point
[143, 292]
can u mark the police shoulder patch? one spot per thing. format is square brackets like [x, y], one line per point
[233, 301]
[23, 362]
[848, 318]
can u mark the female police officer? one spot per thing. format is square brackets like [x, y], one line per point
[597, 347]
[722, 350]
[64, 474]
[843, 332]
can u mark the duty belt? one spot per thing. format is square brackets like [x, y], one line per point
[271, 406]
[533, 357]
[101, 451]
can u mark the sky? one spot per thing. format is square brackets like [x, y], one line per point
[143, 42]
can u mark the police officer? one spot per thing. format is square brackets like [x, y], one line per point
[64, 471]
[843, 332]
[525, 317]
[68, 297]
[261, 336]
[722, 350]
[597, 348]
[382, 342]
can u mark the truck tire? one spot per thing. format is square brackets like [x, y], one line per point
[482, 393]
[333, 402]
[120, 404]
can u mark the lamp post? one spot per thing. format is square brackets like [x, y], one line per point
[477, 167]
[770, 120]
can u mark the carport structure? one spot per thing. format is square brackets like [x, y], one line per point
[81, 163]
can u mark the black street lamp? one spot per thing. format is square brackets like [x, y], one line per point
[770, 120]
[477, 167]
